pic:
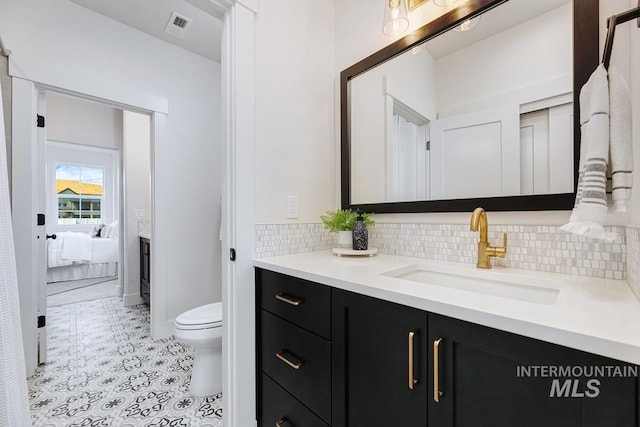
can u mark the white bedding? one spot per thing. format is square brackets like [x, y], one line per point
[79, 248]
[82, 271]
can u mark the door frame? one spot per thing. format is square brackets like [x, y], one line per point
[29, 81]
[238, 211]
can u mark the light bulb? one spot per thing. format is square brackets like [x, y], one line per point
[396, 17]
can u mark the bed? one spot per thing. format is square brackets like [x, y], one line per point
[74, 256]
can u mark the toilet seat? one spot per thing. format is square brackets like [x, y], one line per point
[204, 317]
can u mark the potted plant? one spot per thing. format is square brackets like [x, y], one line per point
[341, 221]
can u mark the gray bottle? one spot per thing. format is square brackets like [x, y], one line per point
[360, 234]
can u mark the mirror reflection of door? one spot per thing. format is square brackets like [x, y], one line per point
[407, 155]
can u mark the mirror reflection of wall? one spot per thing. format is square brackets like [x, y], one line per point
[482, 113]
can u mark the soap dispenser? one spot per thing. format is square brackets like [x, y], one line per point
[360, 234]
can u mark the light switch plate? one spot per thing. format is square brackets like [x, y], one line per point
[292, 207]
[138, 214]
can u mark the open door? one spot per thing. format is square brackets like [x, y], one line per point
[40, 261]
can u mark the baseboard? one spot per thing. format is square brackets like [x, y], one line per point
[132, 299]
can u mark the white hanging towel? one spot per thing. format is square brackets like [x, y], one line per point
[605, 124]
[620, 140]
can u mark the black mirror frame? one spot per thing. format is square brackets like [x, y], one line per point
[585, 60]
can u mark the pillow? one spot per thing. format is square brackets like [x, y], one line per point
[96, 230]
[111, 231]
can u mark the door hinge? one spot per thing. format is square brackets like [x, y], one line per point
[427, 146]
[41, 219]
[42, 321]
[232, 254]
[40, 121]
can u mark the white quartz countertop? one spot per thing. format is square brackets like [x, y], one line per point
[599, 316]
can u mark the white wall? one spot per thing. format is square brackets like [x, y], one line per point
[82, 122]
[71, 41]
[137, 195]
[294, 109]
[532, 53]
[358, 34]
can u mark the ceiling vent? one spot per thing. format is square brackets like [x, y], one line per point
[178, 25]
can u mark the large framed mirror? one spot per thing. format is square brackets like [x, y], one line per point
[445, 120]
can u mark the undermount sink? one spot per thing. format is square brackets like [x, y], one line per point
[523, 288]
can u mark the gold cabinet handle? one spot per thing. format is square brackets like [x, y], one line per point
[288, 299]
[412, 380]
[436, 370]
[280, 422]
[295, 365]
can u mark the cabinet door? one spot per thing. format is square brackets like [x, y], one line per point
[379, 363]
[486, 377]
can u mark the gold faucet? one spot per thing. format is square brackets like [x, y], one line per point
[485, 251]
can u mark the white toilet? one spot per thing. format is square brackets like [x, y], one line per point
[201, 328]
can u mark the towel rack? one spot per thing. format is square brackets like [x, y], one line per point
[611, 30]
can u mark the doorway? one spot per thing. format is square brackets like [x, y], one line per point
[28, 178]
[97, 185]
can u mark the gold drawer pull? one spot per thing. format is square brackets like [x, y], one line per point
[436, 370]
[288, 299]
[412, 380]
[295, 365]
[280, 422]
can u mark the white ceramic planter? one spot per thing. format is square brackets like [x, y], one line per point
[345, 239]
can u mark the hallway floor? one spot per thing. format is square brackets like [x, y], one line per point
[105, 371]
[72, 291]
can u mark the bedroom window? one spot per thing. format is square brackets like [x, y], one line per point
[79, 193]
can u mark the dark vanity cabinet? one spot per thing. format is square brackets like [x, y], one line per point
[379, 360]
[145, 269]
[486, 377]
[331, 357]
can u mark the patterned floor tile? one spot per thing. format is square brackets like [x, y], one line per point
[104, 370]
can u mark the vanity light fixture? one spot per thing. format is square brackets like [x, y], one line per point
[468, 24]
[396, 17]
[415, 3]
[444, 3]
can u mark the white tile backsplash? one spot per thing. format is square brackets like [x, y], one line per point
[287, 239]
[530, 247]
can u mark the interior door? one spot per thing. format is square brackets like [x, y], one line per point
[40, 261]
[469, 146]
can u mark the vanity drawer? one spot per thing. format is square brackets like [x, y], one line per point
[301, 302]
[299, 361]
[279, 405]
